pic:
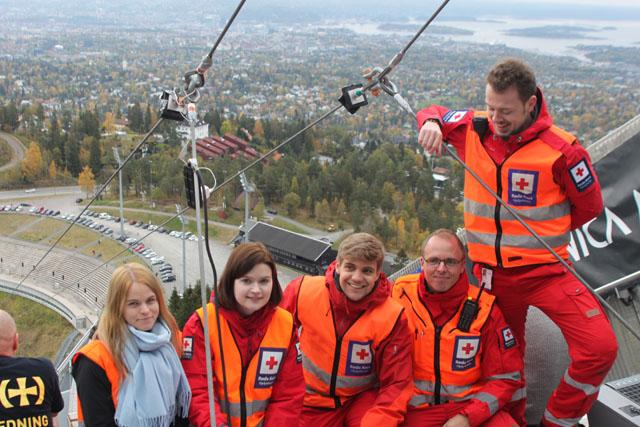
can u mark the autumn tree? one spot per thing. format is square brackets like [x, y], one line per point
[108, 124]
[86, 180]
[53, 170]
[31, 165]
[292, 203]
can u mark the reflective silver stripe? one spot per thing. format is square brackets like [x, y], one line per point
[508, 376]
[421, 399]
[252, 407]
[544, 213]
[341, 381]
[423, 385]
[309, 366]
[445, 389]
[489, 399]
[448, 392]
[449, 389]
[524, 241]
[564, 422]
[588, 389]
[519, 394]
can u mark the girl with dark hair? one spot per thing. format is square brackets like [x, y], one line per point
[257, 377]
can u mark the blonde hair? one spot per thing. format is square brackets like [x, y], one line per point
[362, 246]
[112, 328]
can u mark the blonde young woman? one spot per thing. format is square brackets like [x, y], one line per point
[130, 373]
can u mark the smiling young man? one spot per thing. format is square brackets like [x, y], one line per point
[543, 173]
[463, 375]
[354, 341]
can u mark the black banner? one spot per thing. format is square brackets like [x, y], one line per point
[608, 247]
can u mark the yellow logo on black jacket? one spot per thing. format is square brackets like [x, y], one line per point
[23, 391]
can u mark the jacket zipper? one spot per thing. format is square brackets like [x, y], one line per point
[334, 372]
[496, 216]
[243, 399]
[436, 364]
[336, 357]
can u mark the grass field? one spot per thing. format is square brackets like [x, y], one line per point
[5, 153]
[43, 340]
[41, 230]
[10, 222]
[106, 249]
[77, 237]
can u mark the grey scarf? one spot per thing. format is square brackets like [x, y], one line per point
[156, 389]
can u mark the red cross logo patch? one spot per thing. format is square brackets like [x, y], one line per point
[507, 337]
[359, 358]
[269, 364]
[581, 175]
[464, 353]
[523, 186]
[187, 348]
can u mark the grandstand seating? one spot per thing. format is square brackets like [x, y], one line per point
[61, 272]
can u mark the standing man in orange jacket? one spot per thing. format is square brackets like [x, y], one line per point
[543, 173]
[354, 341]
[464, 374]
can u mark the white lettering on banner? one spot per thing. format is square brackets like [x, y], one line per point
[583, 232]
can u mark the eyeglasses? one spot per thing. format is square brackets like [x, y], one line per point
[448, 262]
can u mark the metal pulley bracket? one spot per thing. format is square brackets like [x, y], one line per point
[353, 97]
[172, 107]
[370, 74]
[193, 80]
[390, 89]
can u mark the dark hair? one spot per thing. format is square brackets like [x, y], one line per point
[513, 72]
[242, 259]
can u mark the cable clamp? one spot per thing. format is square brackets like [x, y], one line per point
[172, 108]
[353, 97]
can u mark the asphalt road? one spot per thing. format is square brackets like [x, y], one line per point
[18, 150]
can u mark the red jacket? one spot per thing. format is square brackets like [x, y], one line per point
[392, 364]
[498, 356]
[585, 205]
[285, 404]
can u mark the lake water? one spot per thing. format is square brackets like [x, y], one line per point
[613, 33]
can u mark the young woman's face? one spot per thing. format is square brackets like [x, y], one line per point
[253, 290]
[141, 307]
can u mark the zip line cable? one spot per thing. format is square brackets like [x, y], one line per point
[564, 263]
[204, 66]
[391, 90]
[195, 79]
[98, 193]
[226, 28]
[400, 55]
[379, 79]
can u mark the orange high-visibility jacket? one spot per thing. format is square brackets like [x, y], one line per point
[525, 182]
[249, 388]
[446, 360]
[338, 368]
[98, 353]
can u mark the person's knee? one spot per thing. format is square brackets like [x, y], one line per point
[598, 355]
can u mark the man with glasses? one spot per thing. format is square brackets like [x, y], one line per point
[466, 362]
